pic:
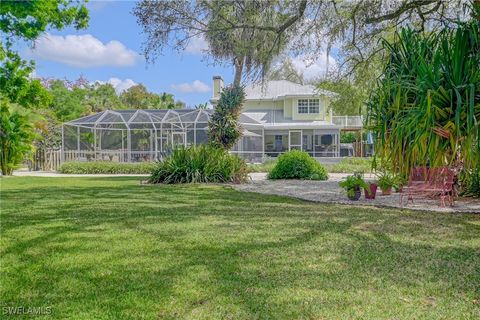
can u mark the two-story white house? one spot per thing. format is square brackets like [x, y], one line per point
[279, 116]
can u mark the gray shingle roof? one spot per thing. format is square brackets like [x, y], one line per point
[282, 88]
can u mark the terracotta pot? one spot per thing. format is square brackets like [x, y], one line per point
[387, 192]
[356, 196]
[373, 191]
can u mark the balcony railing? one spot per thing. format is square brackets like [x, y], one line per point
[348, 121]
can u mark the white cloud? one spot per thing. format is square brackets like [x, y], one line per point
[84, 51]
[314, 68]
[118, 84]
[121, 85]
[195, 87]
[196, 45]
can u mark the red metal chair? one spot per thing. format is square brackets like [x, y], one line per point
[417, 180]
[430, 182]
[441, 184]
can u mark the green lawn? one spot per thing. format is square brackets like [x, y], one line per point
[110, 248]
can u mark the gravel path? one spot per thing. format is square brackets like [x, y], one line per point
[330, 192]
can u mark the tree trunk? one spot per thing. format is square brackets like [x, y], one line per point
[238, 62]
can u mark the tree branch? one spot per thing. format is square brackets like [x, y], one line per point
[406, 6]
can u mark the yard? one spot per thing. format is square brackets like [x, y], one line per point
[110, 248]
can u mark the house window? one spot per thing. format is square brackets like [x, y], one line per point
[313, 106]
[306, 106]
[303, 106]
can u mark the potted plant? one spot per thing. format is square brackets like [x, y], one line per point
[386, 182]
[400, 181]
[352, 185]
[371, 190]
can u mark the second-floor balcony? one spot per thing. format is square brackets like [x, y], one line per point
[348, 122]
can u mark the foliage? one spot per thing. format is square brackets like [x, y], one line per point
[386, 181]
[349, 165]
[202, 106]
[67, 104]
[49, 131]
[248, 34]
[223, 128]
[17, 133]
[199, 164]
[425, 109]
[472, 184]
[297, 164]
[138, 97]
[27, 20]
[106, 167]
[350, 99]
[353, 183]
[18, 87]
[261, 30]
[347, 137]
[352, 90]
[101, 97]
[286, 70]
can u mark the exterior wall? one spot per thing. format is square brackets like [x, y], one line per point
[312, 117]
[290, 110]
[287, 107]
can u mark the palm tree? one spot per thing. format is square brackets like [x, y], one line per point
[17, 132]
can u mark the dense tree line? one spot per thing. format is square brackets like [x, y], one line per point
[73, 99]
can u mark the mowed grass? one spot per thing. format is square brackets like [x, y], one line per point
[110, 248]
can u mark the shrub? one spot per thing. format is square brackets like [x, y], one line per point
[197, 164]
[106, 167]
[297, 165]
[347, 137]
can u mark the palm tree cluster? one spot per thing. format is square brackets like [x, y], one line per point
[425, 109]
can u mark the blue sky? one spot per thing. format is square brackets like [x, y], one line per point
[185, 74]
[110, 50]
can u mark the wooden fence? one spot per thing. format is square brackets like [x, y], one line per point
[46, 160]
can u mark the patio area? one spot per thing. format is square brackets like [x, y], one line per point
[329, 192]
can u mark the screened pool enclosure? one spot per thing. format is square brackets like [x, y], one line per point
[148, 135]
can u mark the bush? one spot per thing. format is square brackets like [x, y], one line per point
[197, 164]
[347, 137]
[99, 167]
[297, 165]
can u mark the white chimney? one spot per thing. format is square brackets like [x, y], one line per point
[217, 86]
